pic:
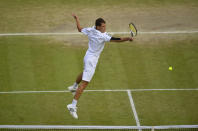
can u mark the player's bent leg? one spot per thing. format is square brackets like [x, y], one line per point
[80, 89]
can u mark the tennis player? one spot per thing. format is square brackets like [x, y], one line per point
[97, 38]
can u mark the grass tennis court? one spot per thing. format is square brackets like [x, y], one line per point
[51, 63]
[36, 64]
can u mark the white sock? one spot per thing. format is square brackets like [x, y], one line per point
[75, 85]
[74, 102]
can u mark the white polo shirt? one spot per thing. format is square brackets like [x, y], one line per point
[96, 40]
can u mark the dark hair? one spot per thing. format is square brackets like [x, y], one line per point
[99, 22]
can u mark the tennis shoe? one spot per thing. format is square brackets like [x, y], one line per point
[72, 89]
[73, 110]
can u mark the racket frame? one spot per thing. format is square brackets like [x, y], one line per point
[132, 33]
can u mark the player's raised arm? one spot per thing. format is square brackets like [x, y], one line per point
[114, 39]
[77, 22]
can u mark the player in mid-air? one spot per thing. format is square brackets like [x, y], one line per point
[97, 38]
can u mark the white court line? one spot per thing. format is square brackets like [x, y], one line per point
[134, 90]
[38, 34]
[93, 127]
[77, 33]
[133, 108]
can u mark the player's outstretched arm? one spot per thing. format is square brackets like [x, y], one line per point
[77, 22]
[113, 39]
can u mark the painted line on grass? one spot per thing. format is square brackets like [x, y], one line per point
[134, 90]
[160, 32]
[133, 108]
[77, 33]
[95, 127]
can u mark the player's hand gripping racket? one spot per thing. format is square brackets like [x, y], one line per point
[133, 29]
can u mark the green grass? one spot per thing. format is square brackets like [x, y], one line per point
[31, 62]
[166, 107]
[44, 63]
[40, 63]
[50, 109]
[146, 65]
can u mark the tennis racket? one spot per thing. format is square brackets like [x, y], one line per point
[133, 29]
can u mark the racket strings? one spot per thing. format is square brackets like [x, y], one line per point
[133, 29]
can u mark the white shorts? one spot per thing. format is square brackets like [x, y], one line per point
[90, 62]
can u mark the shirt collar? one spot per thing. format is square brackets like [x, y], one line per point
[94, 27]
